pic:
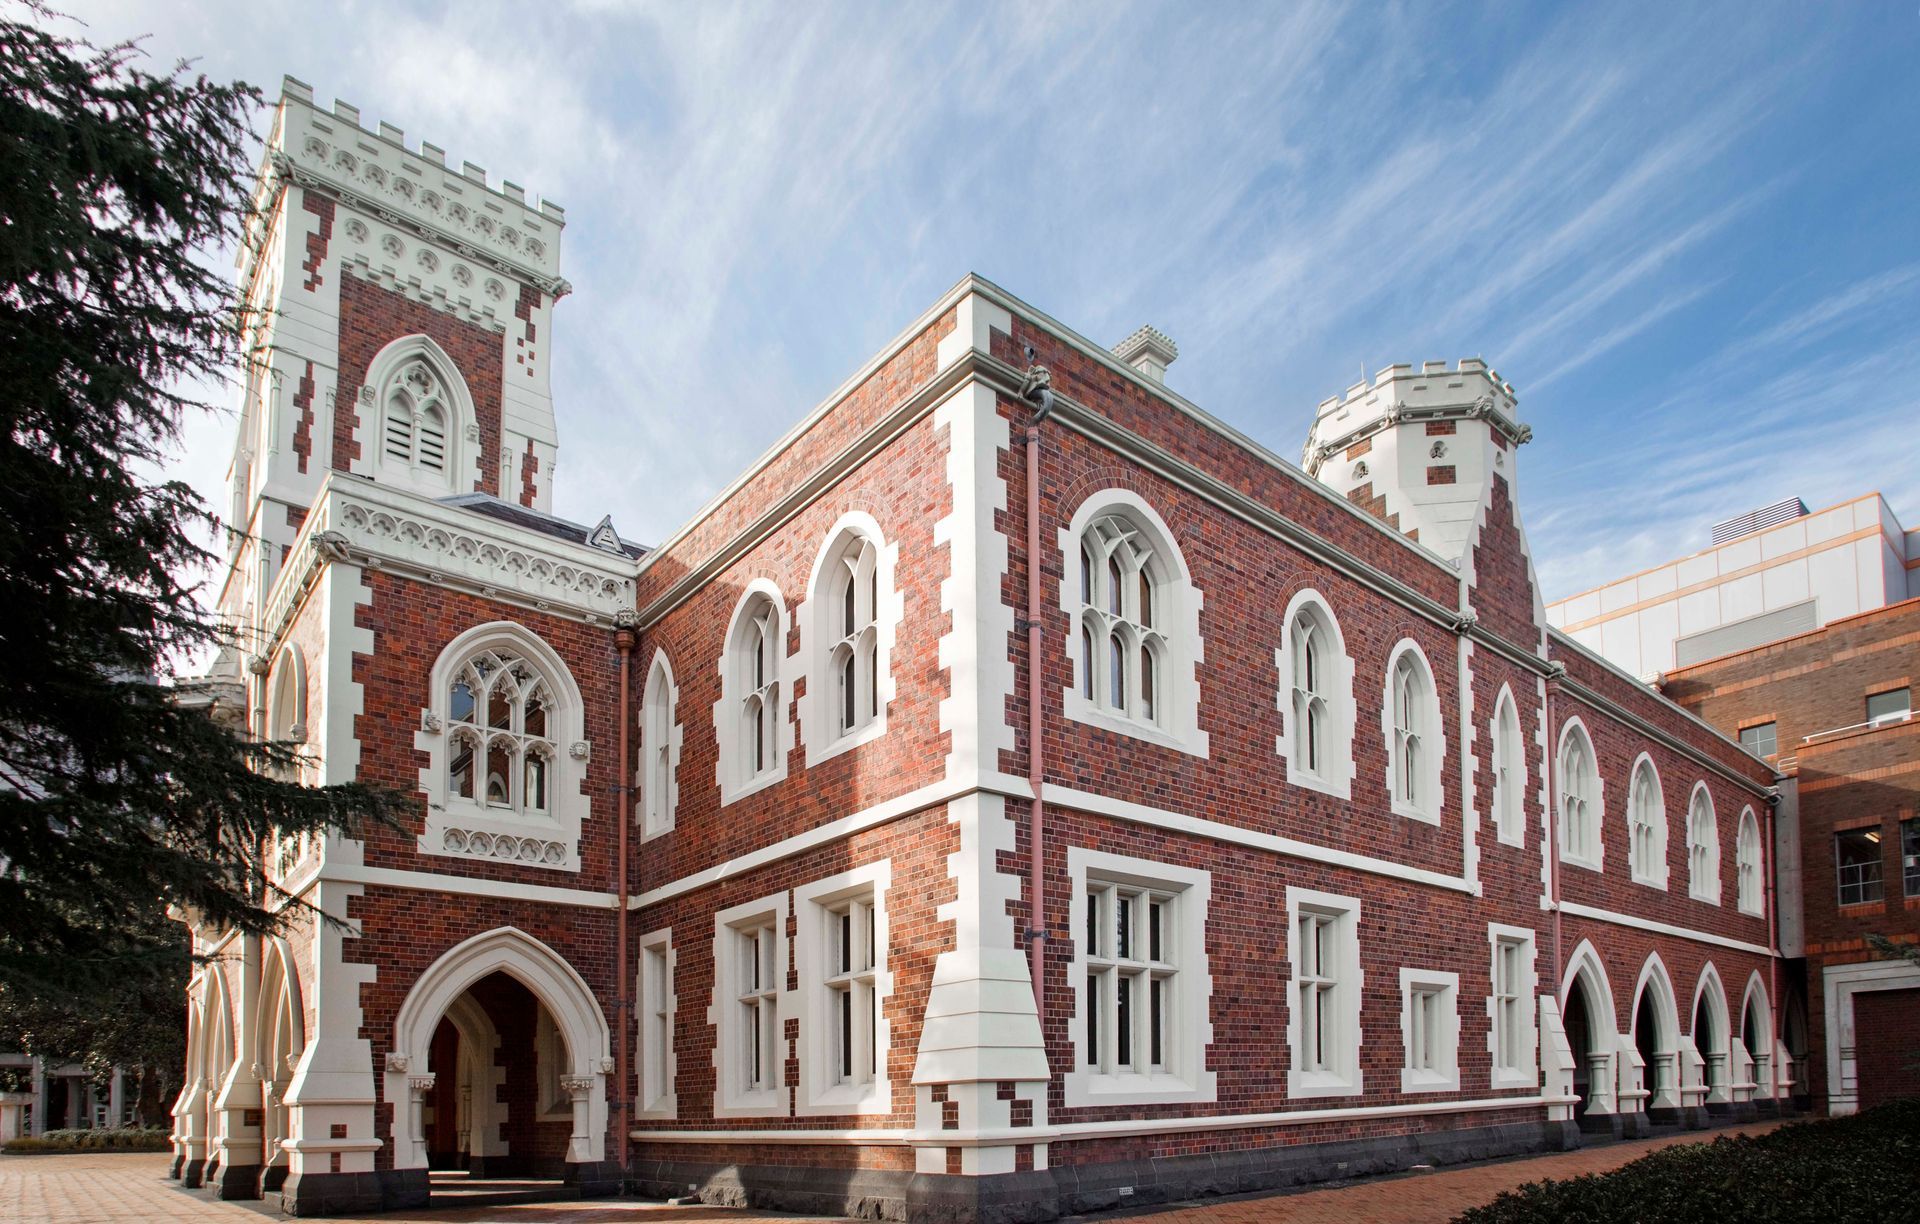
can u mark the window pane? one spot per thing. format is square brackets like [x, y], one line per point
[460, 708]
[1886, 706]
[1123, 916]
[1154, 912]
[1117, 678]
[1762, 740]
[1146, 683]
[534, 718]
[1146, 599]
[499, 772]
[1087, 662]
[1115, 585]
[1155, 1024]
[1857, 858]
[1094, 1017]
[1910, 855]
[535, 797]
[1123, 1022]
[460, 769]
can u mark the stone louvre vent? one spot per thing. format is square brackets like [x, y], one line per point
[1148, 351]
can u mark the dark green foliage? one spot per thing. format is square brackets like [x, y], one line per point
[126, 1139]
[116, 187]
[1864, 1168]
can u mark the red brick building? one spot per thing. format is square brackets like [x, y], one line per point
[1017, 793]
[1832, 709]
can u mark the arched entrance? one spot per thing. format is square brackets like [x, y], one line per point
[1756, 1038]
[1656, 1036]
[1587, 1015]
[216, 1063]
[282, 1035]
[498, 1067]
[1710, 1037]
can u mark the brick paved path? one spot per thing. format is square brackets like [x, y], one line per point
[125, 1188]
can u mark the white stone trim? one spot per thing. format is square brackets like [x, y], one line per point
[730, 765]
[817, 729]
[1336, 778]
[1347, 1077]
[1178, 725]
[1652, 875]
[1526, 1072]
[1510, 832]
[1596, 808]
[730, 1099]
[1446, 1078]
[568, 806]
[658, 811]
[974, 652]
[1200, 826]
[1577, 910]
[1186, 1079]
[651, 997]
[819, 1096]
[1433, 772]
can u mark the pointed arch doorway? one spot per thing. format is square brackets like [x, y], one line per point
[498, 1074]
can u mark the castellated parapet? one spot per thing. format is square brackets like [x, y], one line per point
[1417, 447]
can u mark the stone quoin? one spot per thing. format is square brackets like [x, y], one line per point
[1298, 875]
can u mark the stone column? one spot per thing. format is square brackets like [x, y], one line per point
[418, 1086]
[580, 1146]
[117, 1098]
[1600, 1090]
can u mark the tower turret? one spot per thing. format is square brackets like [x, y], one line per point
[1417, 447]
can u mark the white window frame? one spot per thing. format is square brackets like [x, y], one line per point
[1426, 729]
[454, 826]
[658, 1009]
[1341, 1076]
[1333, 686]
[817, 908]
[660, 739]
[821, 638]
[1522, 1070]
[1429, 1030]
[1703, 854]
[1750, 862]
[734, 769]
[1182, 1076]
[1646, 824]
[1176, 633]
[1590, 851]
[733, 1096]
[1509, 770]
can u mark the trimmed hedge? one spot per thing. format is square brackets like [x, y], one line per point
[1860, 1168]
[123, 1139]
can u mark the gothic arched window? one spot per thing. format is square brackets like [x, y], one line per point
[1579, 783]
[1703, 847]
[500, 734]
[1646, 826]
[660, 746]
[750, 718]
[1749, 865]
[1414, 739]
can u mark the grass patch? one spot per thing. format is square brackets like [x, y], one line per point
[1860, 1168]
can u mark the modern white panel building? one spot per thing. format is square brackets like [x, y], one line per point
[1770, 574]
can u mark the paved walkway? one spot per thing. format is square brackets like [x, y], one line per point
[124, 1188]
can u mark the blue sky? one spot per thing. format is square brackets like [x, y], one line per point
[1689, 235]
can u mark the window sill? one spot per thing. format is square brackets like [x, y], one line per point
[1654, 882]
[735, 793]
[1429, 1081]
[877, 729]
[771, 1103]
[1569, 860]
[1705, 898]
[1519, 1077]
[647, 834]
[1087, 1089]
[1305, 1085]
[1323, 785]
[1409, 812]
[662, 1109]
[874, 1098]
[1192, 741]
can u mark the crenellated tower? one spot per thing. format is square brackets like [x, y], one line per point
[1418, 448]
[400, 313]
